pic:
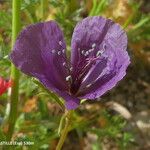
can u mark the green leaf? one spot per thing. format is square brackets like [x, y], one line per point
[51, 94]
[2, 136]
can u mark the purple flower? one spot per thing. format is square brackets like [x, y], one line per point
[98, 59]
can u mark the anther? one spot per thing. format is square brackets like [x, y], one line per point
[93, 45]
[64, 63]
[60, 43]
[90, 50]
[68, 78]
[63, 50]
[99, 53]
[104, 46]
[88, 85]
[71, 68]
[87, 53]
[82, 52]
[53, 51]
[59, 52]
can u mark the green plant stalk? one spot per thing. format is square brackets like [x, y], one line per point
[93, 8]
[43, 8]
[129, 20]
[29, 15]
[65, 130]
[100, 6]
[16, 4]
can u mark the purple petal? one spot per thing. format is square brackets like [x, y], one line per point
[106, 82]
[105, 41]
[88, 36]
[71, 102]
[94, 73]
[39, 51]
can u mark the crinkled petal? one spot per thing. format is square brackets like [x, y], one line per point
[39, 51]
[71, 102]
[94, 73]
[107, 81]
[88, 39]
[104, 40]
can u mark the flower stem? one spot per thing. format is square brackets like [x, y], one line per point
[65, 130]
[16, 4]
[43, 4]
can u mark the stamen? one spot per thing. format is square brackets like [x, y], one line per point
[99, 53]
[68, 78]
[93, 45]
[87, 53]
[60, 43]
[90, 50]
[71, 68]
[63, 51]
[104, 46]
[53, 51]
[88, 85]
[59, 52]
[64, 63]
[82, 52]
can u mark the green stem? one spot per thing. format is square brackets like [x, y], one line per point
[43, 4]
[16, 4]
[65, 130]
[93, 8]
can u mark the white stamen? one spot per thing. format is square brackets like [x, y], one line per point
[53, 51]
[59, 52]
[68, 78]
[60, 43]
[93, 45]
[64, 63]
[104, 46]
[82, 52]
[99, 53]
[87, 53]
[90, 50]
[71, 68]
[88, 85]
[63, 50]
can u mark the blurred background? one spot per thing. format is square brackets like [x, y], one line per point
[121, 119]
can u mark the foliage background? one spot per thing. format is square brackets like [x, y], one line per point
[97, 125]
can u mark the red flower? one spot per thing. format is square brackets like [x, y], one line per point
[4, 85]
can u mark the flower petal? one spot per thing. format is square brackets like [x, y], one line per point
[108, 80]
[39, 51]
[94, 73]
[88, 38]
[101, 39]
[4, 85]
[71, 102]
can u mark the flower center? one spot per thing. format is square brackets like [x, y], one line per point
[89, 59]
